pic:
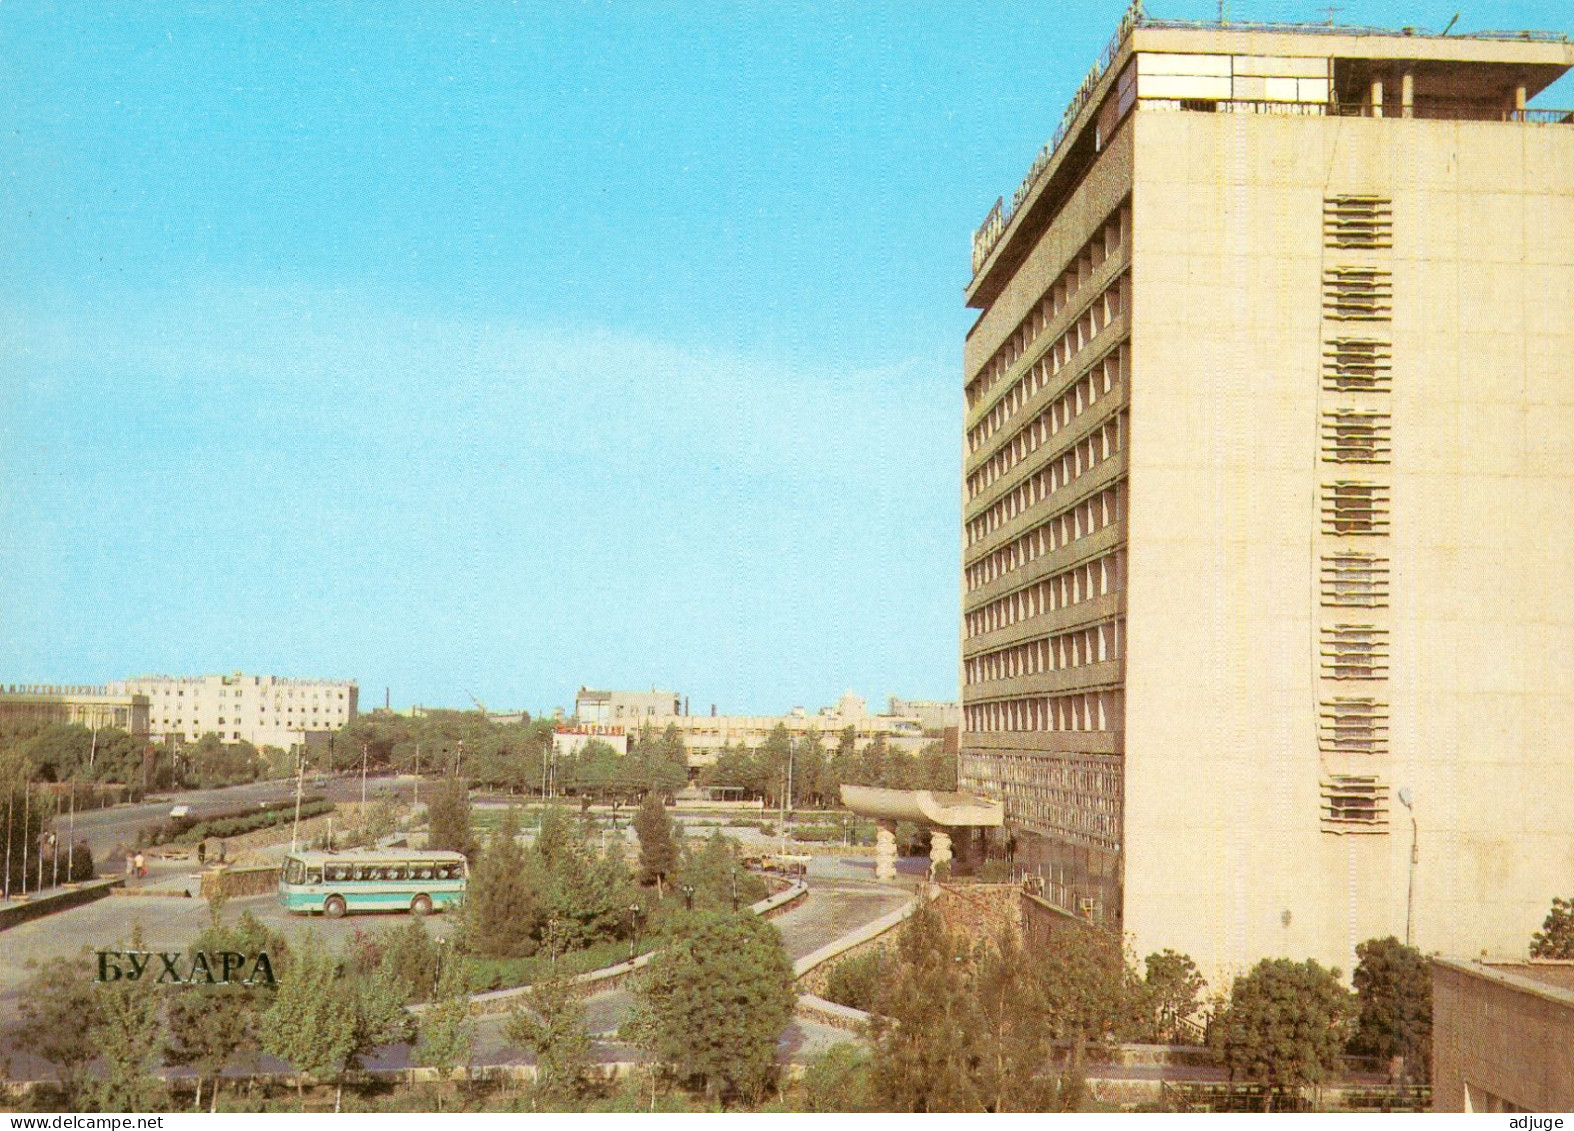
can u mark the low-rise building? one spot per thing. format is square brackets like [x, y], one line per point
[29, 707]
[624, 708]
[1502, 1035]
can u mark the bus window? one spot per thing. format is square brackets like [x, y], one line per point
[294, 871]
[314, 875]
[336, 873]
[424, 874]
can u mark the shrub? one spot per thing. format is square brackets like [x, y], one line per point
[818, 834]
[81, 863]
[855, 982]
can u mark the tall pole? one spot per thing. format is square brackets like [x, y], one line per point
[1410, 898]
[26, 798]
[300, 781]
[418, 775]
[363, 783]
[10, 805]
[71, 835]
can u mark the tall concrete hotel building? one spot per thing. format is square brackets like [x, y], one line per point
[1268, 504]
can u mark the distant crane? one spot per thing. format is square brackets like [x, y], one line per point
[479, 706]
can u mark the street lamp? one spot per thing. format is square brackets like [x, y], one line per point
[1407, 799]
[688, 896]
[633, 930]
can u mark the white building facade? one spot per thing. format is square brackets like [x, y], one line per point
[263, 710]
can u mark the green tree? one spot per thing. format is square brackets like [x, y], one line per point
[1013, 1033]
[129, 1036]
[551, 1023]
[1171, 995]
[208, 1027]
[924, 1030]
[447, 1032]
[715, 872]
[1556, 937]
[1285, 1026]
[840, 1080]
[411, 957]
[1393, 989]
[59, 1009]
[658, 848]
[312, 1021]
[502, 907]
[448, 818]
[712, 1005]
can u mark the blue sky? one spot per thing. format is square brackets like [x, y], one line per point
[493, 349]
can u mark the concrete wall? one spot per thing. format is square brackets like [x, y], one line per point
[1501, 1036]
[1225, 857]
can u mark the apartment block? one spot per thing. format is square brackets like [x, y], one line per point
[1267, 631]
[264, 710]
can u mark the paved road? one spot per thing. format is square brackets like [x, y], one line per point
[843, 896]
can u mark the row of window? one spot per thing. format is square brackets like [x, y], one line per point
[278, 696]
[1094, 644]
[1093, 450]
[1079, 711]
[1054, 794]
[1104, 509]
[1104, 243]
[1101, 312]
[1098, 382]
[1097, 578]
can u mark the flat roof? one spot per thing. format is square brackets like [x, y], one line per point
[1552, 979]
[1534, 58]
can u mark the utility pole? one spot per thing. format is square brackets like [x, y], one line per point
[363, 783]
[300, 782]
[26, 798]
[417, 774]
[10, 805]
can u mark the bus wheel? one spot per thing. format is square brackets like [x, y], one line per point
[421, 905]
[333, 907]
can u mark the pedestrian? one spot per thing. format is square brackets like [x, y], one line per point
[130, 863]
[142, 866]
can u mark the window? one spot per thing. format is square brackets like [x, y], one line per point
[1358, 222]
[1354, 803]
[1355, 508]
[1354, 651]
[1358, 294]
[1357, 436]
[1354, 580]
[1352, 726]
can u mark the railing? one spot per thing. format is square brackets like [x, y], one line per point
[1352, 29]
[1355, 110]
[995, 224]
[988, 234]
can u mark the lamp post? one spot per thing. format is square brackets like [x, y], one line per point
[633, 930]
[1407, 799]
[688, 896]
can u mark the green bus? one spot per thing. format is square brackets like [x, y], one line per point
[335, 883]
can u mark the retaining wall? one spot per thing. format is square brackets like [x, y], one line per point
[74, 895]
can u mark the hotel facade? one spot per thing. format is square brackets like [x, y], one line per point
[1268, 567]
